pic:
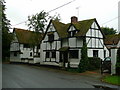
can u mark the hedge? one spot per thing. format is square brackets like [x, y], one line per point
[94, 63]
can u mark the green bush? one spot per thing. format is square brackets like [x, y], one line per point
[83, 65]
[94, 63]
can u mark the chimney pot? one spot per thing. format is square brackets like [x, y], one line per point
[74, 19]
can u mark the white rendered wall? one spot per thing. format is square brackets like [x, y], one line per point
[113, 60]
[79, 42]
[14, 47]
[55, 45]
[15, 58]
[72, 42]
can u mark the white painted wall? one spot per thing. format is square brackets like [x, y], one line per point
[55, 45]
[79, 42]
[113, 61]
[118, 44]
[14, 46]
[100, 53]
[26, 52]
[42, 54]
[15, 58]
[72, 42]
[96, 43]
[58, 45]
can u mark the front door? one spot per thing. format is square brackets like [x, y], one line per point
[64, 57]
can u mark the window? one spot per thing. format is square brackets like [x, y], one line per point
[38, 54]
[51, 37]
[26, 46]
[30, 53]
[74, 54]
[54, 54]
[95, 53]
[72, 33]
[15, 53]
[51, 54]
[47, 54]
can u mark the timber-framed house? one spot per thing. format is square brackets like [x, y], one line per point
[25, 46]
[62, 43]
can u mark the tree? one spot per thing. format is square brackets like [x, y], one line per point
[118, 62]
[56, 17]
[37, 21]
[108, 31]
[6, 36]
[83, 65]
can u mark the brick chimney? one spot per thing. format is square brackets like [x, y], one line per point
[74, 19]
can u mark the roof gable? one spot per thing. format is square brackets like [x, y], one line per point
[28, 37]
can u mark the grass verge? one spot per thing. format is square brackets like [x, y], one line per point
[112, 79]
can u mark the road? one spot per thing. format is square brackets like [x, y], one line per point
[29, 76]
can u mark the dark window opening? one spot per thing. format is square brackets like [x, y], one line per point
[15, 53]
[95, 53]
[47, 54]
[53, 54]
[51, 37]
[38, 54]
[74, 54]
[31, 54]
[26, 46]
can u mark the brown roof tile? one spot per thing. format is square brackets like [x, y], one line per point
[112, 39]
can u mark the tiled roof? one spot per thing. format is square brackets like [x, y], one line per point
[28, 37]
[112, 39]
[81, 26]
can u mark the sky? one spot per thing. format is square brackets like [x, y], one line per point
[105, 11]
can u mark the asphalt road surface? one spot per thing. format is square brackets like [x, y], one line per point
[28, 76]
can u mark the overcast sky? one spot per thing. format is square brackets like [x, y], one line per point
[105, 11]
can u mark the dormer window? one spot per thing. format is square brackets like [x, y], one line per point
[72, 31]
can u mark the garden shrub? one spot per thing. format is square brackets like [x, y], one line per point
[83, 65]
[94, 63]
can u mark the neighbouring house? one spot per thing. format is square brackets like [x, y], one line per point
[112, 42]
[26, 46]
[62, 43]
